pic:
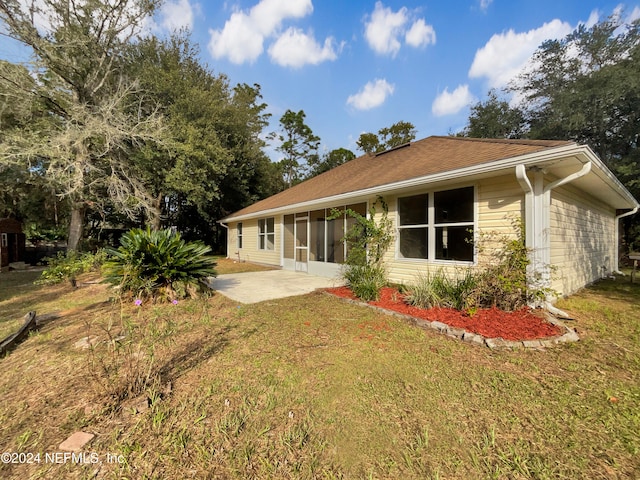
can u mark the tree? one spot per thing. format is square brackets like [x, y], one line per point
[89, 120]
[297, 143]
[213, 162]
[329, 161]
[400, 133]
[387, 138]
[586, 87]
[494, 118]
[369, 143]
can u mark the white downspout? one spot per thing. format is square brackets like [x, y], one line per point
[617, 241]
[227, 227]
[537, 221]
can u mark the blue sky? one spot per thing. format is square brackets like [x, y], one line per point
[357, 66]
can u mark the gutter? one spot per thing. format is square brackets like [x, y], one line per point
[227, 228]
[537, 222]
[617, 241]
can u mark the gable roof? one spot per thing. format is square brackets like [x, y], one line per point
[436, 159]
[422, 158]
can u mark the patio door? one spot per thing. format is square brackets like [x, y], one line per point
[302, 244]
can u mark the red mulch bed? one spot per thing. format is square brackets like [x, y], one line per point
[489, 322]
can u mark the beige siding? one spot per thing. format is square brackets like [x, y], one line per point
[582, 239]
[250, 251]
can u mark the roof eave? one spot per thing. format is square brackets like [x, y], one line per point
[536, 158]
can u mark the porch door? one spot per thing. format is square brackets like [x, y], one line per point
[302, 244]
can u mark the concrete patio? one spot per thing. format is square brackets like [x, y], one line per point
[254, 287]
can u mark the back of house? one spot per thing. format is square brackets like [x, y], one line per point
[448, 198]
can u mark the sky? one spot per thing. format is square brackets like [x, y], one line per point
[356, 66]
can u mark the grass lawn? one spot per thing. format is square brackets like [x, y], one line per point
[312, 387]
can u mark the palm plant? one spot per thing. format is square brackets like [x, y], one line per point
[159, 264]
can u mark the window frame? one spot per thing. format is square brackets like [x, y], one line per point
[432, 227]
[264, 234]
[239, 234]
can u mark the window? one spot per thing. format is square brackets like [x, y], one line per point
[266, 234]
[317, 221]
[239, 228]
[414, 226]
[437, 226]
[5, 241]
[289, 243]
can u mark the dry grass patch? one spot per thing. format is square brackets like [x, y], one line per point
[311, 387]
[229, 265]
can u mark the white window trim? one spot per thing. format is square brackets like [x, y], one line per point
[266, 234]
[431, 229]
[239, 235]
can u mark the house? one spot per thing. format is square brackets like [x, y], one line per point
[442, 193]
[12, 242]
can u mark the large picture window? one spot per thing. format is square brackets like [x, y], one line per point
[437, 226]
[266, 234]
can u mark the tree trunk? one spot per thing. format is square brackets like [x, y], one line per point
[156, 213]
[75, 226]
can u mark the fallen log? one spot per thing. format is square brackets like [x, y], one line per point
[12, 340]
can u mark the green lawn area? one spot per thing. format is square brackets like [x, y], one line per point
[312, 387]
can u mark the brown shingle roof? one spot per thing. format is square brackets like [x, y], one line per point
[429, 156]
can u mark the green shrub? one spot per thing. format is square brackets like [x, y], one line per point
[365, 281]
[67, 266]
[368, 240]
[504, 284]
[159, 264]
[442, 290]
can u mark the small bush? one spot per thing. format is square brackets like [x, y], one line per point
[442, 290]
[159, 264]
[67, 266]
[368, 240]
[365, 281]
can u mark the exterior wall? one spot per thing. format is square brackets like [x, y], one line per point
[582, 239]
[249, 251]
[499, 201]
[582, 235]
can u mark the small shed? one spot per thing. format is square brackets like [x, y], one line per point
[12, 241]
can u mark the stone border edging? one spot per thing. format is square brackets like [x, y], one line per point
[569, 334]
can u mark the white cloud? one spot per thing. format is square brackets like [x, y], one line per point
[449, 103]
[420, 34]
[384, 28]
[634, 15]
[372, 95]
[243, 35]
[238, 41]
[506, 54]
[484, 4]
[176, 15]
[294, 48]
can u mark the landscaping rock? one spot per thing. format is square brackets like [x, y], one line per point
[441, 327]
[456, 332]
[86, 342]
[473, 338]
[497, 343]
[76, 441]
[570, 336]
